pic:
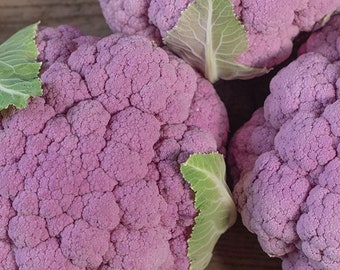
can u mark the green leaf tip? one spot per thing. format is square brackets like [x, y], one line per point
[216, 209]
[209, 36]
[19, 68]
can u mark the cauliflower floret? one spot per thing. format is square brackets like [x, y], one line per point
[270, 25]
[89, 172]
[285, 159]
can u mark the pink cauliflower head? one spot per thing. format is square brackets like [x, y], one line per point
[89, 172]
[286, 159]
[270, 25]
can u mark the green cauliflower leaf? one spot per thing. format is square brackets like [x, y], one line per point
[210, 38]
[19, 68]
[206, 175]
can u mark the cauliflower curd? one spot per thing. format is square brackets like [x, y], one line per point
[285, 160]
[90, 171]
[270, 25]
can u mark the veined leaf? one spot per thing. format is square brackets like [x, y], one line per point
[19, 68]
[217, 212]
[210, 38]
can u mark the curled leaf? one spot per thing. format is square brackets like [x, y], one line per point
[217, 212]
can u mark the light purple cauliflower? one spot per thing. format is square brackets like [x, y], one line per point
[270, 25]
[286, 159]
[89, 172]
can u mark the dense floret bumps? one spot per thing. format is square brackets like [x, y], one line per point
[89, 175]
[270, 27]
[285, 159]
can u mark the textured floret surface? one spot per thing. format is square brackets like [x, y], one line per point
[285, 160]
[89, 172]
[270, 25]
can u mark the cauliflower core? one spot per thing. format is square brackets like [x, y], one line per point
[89, 172]
[270, 25]
[286, 159]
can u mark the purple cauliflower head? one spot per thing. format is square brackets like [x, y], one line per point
[270, 26]
[89, 172]
[286, 159]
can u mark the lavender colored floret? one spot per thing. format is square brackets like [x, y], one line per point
[89, 172]
[286, 159]
[270, 25]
